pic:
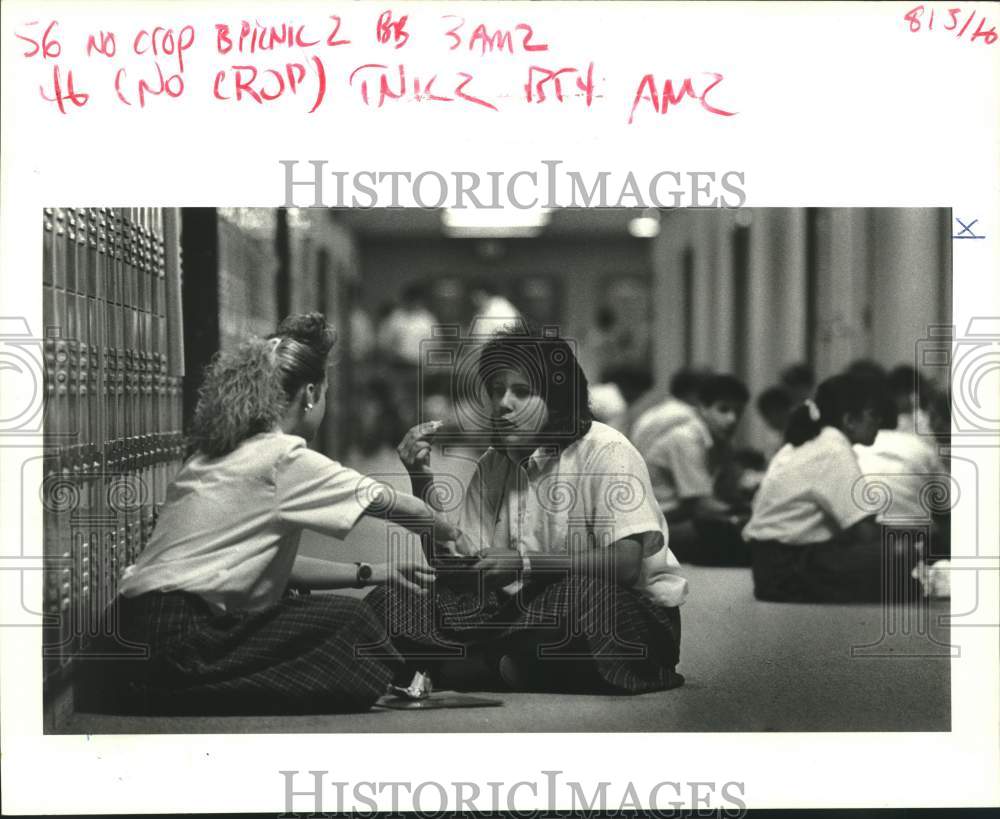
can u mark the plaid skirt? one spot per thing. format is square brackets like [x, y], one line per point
[582, 633]
[295, 657]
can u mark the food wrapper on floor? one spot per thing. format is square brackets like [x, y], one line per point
[420, 688]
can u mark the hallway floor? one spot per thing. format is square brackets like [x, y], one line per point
[750, 666]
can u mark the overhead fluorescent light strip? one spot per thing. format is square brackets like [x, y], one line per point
[494, 224]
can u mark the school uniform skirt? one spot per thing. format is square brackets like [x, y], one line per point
[835, 571]
[295, 657]
[577, 633]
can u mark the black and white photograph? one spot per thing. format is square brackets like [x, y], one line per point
[386, 471]
[523, 407]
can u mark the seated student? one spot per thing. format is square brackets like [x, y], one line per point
[916, 485]
[774, 406]
[799, 380]
[868, 369]
[911, 392]
[654, 421]
[812, 535]
[632, 383]
[572, 584]
[685, 464]
[207, 595]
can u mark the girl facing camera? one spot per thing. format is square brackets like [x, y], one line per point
[568, 583]
[813, 536]
[208, 597]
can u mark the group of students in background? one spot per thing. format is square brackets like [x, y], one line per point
[831, 506]
[388, 353]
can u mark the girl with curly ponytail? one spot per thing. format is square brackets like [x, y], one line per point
[208, 594]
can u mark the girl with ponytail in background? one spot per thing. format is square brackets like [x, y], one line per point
[207, 595]
[812, 534]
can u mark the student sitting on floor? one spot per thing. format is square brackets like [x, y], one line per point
[774, 405]
[685, 465]
[571, 585]
[668, 411]
[812, 534]
[799, 380]
[207, 595]
[911, 392]
[906, 469]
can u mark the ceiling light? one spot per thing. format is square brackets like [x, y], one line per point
[646, 226]
[477, 223]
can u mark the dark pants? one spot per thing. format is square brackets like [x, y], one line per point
[834, 572]
[709, 543]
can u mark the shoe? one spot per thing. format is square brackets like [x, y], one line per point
[674, 680]
[512, 673]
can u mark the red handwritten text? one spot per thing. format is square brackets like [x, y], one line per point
[49, 47]
[163, 41]
[416, 88]
[256, 37]
[661, 101]
[950, 20]
[260, 86]
[389, 30]
[61, 96]
[104, 43]
[501, 40]
[172, 85]
[540, 79]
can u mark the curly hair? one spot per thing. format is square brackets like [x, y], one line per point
[246, 391]
[303, 344]
[240, 396]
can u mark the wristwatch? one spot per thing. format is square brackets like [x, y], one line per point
[364, 575]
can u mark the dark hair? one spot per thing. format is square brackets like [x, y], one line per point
[685, 382]
[841, 395]
[797, 376]
[876, 383]
[939, 410]
[866, 368]
[722, 387]
[245, 391]
[300, 355]
[905, 379]
[413, 293]
[774, 399]
[552, 370]
[483, 284]
[631, 381]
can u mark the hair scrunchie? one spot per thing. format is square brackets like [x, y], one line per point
[272, 351]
